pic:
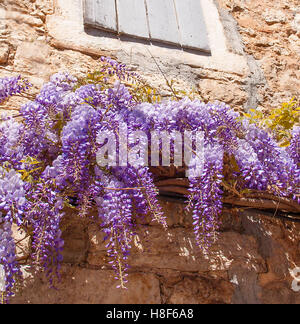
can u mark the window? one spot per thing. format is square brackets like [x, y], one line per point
[177, 22]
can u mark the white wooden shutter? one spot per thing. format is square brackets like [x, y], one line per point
[132, 18]
[162, 21]
[101, 13]
[179, 22]
[191, 24]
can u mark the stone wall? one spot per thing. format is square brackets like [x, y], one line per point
[251, 262]
[254, 64]
[258, 68]
[270, 33]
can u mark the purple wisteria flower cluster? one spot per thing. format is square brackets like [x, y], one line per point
[48, 162]
[11, 86]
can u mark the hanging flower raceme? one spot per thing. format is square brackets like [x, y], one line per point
[9, 268]
[294, 149]
[11, 86]
[12, 208]
[44, 215]
[11, 150]
[206, 197]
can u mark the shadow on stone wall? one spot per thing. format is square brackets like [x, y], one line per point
[250, 263]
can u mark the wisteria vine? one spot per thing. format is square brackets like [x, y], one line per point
[48, 162]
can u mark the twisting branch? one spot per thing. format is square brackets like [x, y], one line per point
[259, 203]
[255, 199]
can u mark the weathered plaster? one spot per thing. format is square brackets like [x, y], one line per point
[234, 42]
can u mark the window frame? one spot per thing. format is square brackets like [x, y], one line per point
[149, 22]
[66, 31]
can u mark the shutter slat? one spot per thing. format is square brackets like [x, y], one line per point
[191, 24]
[132, 18]
[105, 14]
[162, 21]
[89, 12]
